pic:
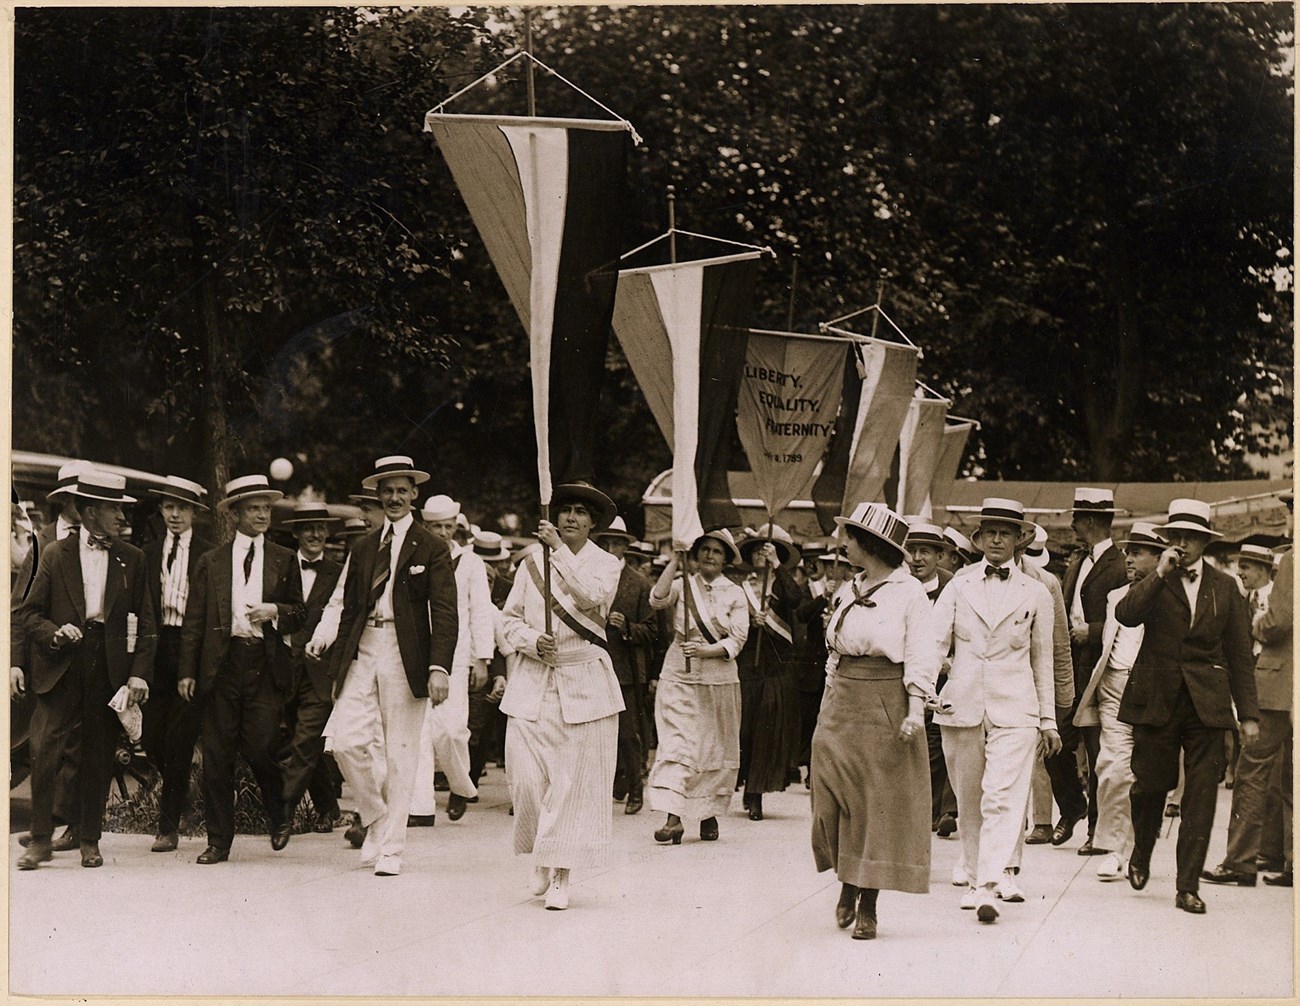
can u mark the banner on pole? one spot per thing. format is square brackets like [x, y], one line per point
[789, 399]
[919, 445]
[955, 436]
[877, 394]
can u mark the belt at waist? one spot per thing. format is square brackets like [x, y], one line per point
[375, 622]
[868, 669]
[95, 626]
[246, 641]
[583, 656]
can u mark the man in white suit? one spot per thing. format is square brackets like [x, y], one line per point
[998, 623]
[1099, 706]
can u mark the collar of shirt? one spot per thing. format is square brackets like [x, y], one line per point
[400, 527]
[985, 566]
[931, 583]
[63, 528]
[1198, 567]
[242, 541]
[306, 558]
[455, 548]
[184, 536]
[1099, 548]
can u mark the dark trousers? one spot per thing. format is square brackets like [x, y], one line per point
[631, 745]
[241, 715]
[1155, 773]
[942, 799]
[1063, 768]
[78, 701]
[1255, 773]
[481, 723]
[1275, 841]
[304, 765]
[170, 731]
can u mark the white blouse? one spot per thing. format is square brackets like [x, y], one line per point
[892, 626]
[724, 603]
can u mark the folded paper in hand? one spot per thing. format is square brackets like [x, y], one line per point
[131, 717]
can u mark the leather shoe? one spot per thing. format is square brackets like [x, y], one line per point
[90, 857]
[1283, 879]
[947, 825]
[1138, 874]
[1088, 849]
[1064, 830]
[455, 807]
[756, 807]
[356, 833]
[324, 824]
[1189, 902]
[25, 839]
[1041, 834]
[166, 842]
[421, 820]
[38, 852]
[635, 802]
[846, 909]
[66, 842]
[280, 836]
[213, 855]
[709, 829]
[865, 926]
[1222, 875]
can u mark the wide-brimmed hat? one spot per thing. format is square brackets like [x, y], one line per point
[93, 484]
[367, 495]
[921, 532]
[310, 512]
[995, 508]
[352, 526]
[813, 548]
[247, 487]
[833, 556]
[724, 538]
[779, 538]
[958, 542]
[1147, 535]
[616, 529]
[1256, 553]
[1189, 515]
[391, 467]
[601, 506]
[67, 479]
[184, 490]
[1089, 500]
[490, 547]
[1036, 553]
[440, 508]
[645, 549]
[881, 523]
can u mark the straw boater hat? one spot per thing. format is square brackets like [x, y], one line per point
[490, 547]
[105, 487]
[813, 548]
[996, 509]
[645, 548]
[1088, 500]
[310, 512]
[1146, 535]
[391, 467]
[352, 527]
[184, 490]
[247, 487]
[1257, 554]
[724, 538]
[440, 508]
[617, 529]
[601, 506]
[367, 495]
[1189, 515]
[781, 540]
[67, 479]
[1036, 552]
[921, 532]
[881, 523]
[960, 544]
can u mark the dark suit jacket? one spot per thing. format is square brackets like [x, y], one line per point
[1174, 651]
[628, 649]
[58, 597]
[18, 651]
[153, 554]
[1275, 665]
[205, 635]
[1107, 574]
[945, 576]
[327, 577]
[424, 606]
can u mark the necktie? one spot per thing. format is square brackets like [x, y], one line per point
[97, 541]
[383, 558]
[860, 599]
[171, 556]
[1187, 574]
[1001, 572]
[310, 563]
[248, 561]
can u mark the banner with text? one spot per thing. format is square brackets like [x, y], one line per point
[789, 397]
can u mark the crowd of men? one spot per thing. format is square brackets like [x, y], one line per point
[371, 651]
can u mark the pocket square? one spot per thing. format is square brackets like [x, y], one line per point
[416, 570]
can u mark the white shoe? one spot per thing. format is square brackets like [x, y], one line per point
[986, 908]
[960, 878]
[1008, 890]
[541, 881]
[557, 895]
[388, 866]
[1111, 867]
[970, 899]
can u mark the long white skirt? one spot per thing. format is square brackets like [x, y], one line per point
[561, 776]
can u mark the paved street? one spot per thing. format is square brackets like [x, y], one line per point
[746, 916]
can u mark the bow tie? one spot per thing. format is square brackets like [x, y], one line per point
[1001, 572]
[100, 542]
[1187, 574]
[311, 563]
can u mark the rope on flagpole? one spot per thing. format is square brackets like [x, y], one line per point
[673, 231]
[963, 419]
[932, 393]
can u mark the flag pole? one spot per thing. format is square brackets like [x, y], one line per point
[875, 317]
[794, 279]
[762, 594]
[528, 48]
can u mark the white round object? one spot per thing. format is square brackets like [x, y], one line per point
[281, 469]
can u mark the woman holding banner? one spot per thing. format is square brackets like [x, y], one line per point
[768, 668]
[871, 783]
[697, 699]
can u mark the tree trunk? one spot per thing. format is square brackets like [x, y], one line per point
[216, 363]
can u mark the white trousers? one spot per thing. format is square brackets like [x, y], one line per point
[1114, 770]
[990, 769]
[376, 702]
[444, 746]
